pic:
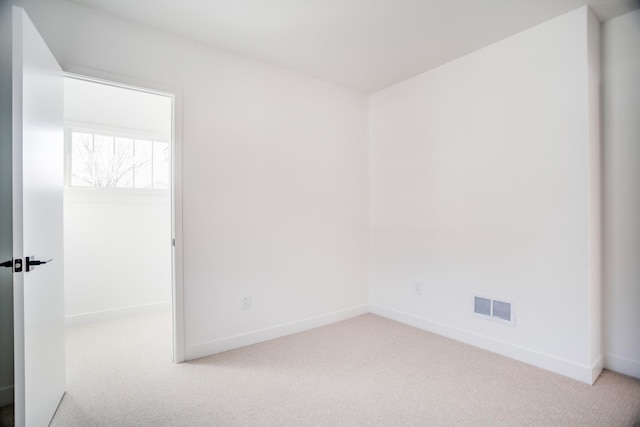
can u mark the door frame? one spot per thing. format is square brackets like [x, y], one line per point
[175, 93]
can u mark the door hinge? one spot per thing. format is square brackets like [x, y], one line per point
[173, 242]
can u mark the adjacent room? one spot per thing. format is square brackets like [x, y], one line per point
[117, 206]
[350, 212]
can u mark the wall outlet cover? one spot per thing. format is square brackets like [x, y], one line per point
[246, 302]
[417, 288]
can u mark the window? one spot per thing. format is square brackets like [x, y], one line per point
[103, 160]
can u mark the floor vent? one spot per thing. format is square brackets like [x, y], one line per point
[490, 308]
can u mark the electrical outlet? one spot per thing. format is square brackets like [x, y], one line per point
[246, 302]
[417, 288]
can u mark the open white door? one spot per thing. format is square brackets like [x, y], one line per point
[37, 225]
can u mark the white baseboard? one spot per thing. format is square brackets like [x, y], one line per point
[580, 372]
[95, 316]
[6, 395]
[230, 343]
[622, 365]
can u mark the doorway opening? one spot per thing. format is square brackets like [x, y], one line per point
[120, 222]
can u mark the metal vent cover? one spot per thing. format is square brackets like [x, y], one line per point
[482, 306]
[490, 308]
[502, 310]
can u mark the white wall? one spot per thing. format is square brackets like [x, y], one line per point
[91, 103]
[274, 171]
[621, 102]
[481, 183]
[117, 252]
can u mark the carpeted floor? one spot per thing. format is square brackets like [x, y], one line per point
[366, 371]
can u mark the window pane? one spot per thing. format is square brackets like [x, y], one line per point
[124, 162]
[143, 156]
[120, 162]
[82, 171]
[104, 161]
[160, 164]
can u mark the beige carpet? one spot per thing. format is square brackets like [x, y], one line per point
[366, 371]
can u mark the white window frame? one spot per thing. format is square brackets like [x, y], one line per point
[97, 129]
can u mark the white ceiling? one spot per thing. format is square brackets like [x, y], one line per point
[365, 45]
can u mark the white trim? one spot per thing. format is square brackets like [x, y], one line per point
[120, 132]
[6, 395]
[18, 15]
[577, 371]
[622, 365]
[595, 207]
[266, 334]
[67, 156]
[87, 195]
[176, 231]
[176, 184]
[90, 75]
[96, 316]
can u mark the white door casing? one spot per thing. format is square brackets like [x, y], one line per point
[37, 225]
